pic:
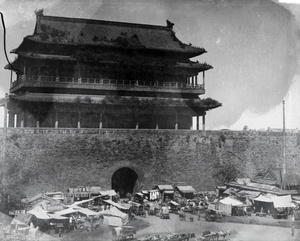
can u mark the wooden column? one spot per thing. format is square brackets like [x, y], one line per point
[203, 122]
[38, 120]
[57, 75]
[137, 122]
[203, 79]
[56, 119]
[15, 120]
[22, 119]
[156, 122]
[176, 121]
[10, 119]
[78, 122]
[78, 72]
[197, 123]
[101, 123]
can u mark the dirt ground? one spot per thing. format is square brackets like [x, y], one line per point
[239, 232]
[155, 225]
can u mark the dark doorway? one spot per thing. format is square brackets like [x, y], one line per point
[123, 181]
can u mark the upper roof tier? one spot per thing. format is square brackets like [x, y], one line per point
[78, 31]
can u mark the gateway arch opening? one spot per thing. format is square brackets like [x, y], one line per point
[124, 181]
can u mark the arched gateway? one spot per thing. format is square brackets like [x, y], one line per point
[124, 180]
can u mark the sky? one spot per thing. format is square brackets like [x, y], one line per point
[253, 46]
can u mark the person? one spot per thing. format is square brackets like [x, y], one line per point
[293, 230]
[193, 238]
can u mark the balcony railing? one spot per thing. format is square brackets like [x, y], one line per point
[106, 82]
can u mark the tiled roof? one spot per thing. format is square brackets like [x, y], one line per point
[77, 31]
[186, 189]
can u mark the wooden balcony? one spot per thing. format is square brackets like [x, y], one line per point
[26, 81]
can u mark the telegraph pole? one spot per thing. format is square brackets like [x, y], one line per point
[283, 184]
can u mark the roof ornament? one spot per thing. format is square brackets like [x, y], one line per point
[38, 13]
[170, 24]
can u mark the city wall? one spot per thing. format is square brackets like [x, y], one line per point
[41, 160]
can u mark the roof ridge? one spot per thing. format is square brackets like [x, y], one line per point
[107, 22]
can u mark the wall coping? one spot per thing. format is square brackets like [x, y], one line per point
[72, 131]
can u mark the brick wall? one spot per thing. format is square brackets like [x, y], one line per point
[40, 160]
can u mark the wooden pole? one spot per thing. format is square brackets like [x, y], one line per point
[283, 185]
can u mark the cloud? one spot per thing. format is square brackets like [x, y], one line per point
[274, 117]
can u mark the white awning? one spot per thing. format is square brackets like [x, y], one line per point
[115, 204]
[108, 193]
[263, 198]
[56, 216]
[232, 202]
[39, 213]
[283, 202]
[66, 211]
[82, 201]
[112, 221]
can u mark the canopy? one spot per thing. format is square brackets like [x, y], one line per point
[232, 202]
[108, 193]
[85, 211]
[95, 190]
[56, 216]
[115, 204]
[66, 211]
[263, 198]
[112, 221]
[83, 201]
[39, 213]
[283, 202]
[123, 216]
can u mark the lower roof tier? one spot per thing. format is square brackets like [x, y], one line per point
[138, 104]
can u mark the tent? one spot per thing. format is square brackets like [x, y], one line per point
[108, 193]
[113, 211]
[116, 204]
[283, 202]
[112, 221]
[74, 208]
[263, 198]
[82, 201]
[85, 211]
[263, 203]
[227, 204]
[56, 216]
[66, 211]
[231, 201]
[123, 216]
[39, 213]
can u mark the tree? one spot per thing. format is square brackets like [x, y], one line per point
[225, 173]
